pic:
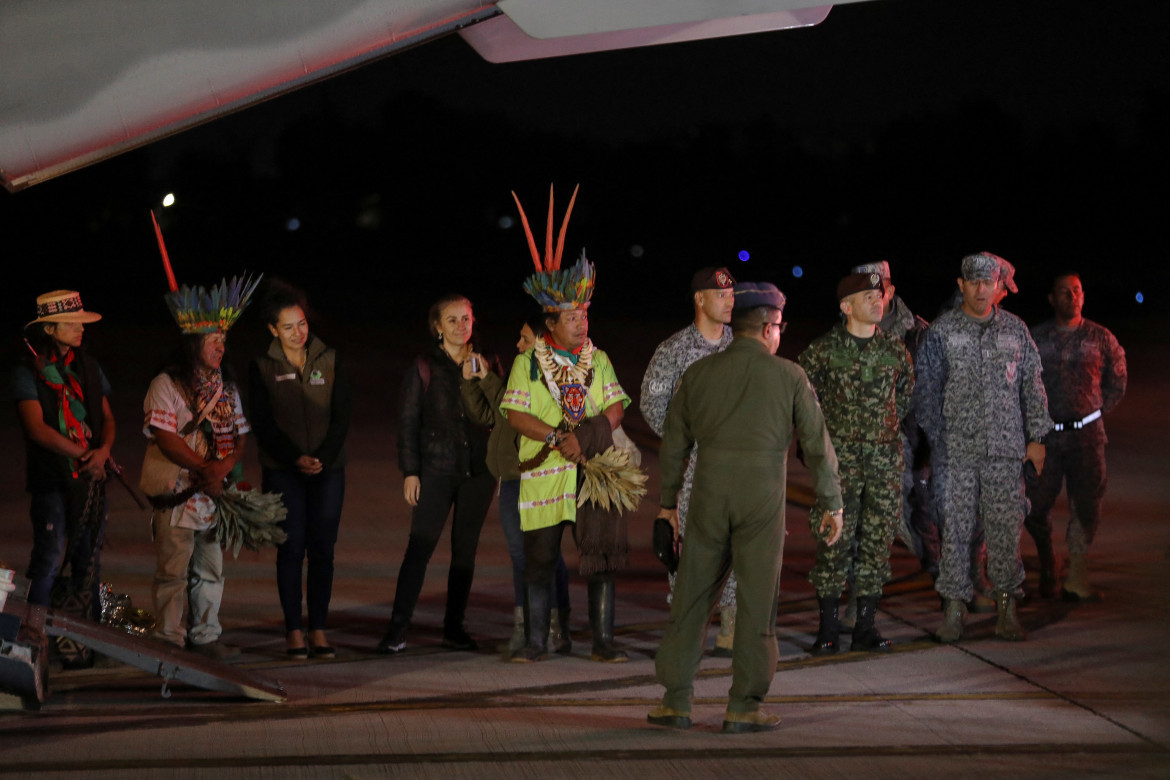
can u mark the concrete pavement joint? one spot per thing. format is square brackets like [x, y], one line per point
[834, 752]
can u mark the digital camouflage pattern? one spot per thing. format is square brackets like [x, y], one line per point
[864, 393]
[1084, 370]
[980, 400]
[672, 357]
[979, 392]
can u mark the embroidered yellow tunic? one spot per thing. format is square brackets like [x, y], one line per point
[548, 493]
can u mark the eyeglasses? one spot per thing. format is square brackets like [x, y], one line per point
[780, 326]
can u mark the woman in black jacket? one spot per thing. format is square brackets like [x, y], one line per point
[442, 454]
[300, 412]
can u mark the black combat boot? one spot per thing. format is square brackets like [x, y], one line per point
[601, 622]
[536, 617]
[865, 634]
[828, 635]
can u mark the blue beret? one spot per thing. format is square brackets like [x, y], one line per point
[751, 294]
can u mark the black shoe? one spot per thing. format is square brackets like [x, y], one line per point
[323, 651]
[297, 653]
[458, 639]
[394, 641]
[671, 719]
[748, 722]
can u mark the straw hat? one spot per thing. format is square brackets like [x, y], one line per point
[63, 306]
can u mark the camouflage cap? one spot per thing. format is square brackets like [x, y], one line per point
[748, 295]
[712, 278]
[861, 282]
[982, 265]
[1007, 274]
[882, 268]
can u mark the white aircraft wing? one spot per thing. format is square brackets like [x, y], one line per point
[84, 80]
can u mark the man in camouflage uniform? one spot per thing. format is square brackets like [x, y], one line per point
[980, 401]
[863, 380]
[919, 529]
[740, 406]
[1085, 376]
[714, 298]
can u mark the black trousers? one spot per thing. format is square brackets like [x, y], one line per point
[471, 499]
[542, 548]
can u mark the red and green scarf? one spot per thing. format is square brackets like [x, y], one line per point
[221, 420]
[57, 372]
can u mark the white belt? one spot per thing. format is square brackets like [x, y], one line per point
[1077, 424]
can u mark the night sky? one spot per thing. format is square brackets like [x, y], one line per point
[915, 131]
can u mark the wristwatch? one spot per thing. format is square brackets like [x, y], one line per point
[551, 439]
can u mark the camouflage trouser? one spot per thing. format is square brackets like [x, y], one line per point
[991, 490]
[727, 597]
[921, 529]
[871, 486]
[1079, 461]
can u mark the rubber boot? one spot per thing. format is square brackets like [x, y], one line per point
[1006, 626]
[828, 635]
[536, 619]
[1076, 586]
[601, 622]
[518, 637]
[954, 614]
[725, 639]
[865, 635]
[558, 633]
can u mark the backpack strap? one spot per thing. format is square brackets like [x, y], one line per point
[424, 371]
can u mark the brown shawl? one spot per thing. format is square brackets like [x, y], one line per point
[601, 535]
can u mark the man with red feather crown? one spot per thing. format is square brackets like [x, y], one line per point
[565, 400]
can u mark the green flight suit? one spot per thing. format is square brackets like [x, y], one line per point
[740, 407]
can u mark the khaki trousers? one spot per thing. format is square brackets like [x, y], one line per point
[189, 572]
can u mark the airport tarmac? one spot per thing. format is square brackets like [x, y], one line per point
[1086, 694]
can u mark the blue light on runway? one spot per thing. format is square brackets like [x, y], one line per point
[797, 271]
[744, 256]
[1140, 298]
[292, 224]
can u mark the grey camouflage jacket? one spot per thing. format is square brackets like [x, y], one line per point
[978, 391]
[671, 359]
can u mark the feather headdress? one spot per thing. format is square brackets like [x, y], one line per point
[199, 310]
[553, 287]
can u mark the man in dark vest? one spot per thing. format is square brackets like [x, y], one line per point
[62, 399]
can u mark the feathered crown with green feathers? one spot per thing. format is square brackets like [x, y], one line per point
[198, 309]
[553, 287]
